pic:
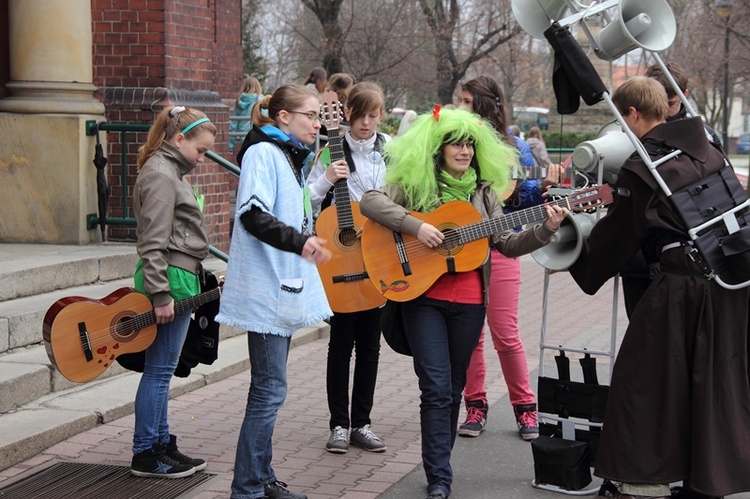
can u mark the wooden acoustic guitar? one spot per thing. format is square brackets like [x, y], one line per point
[403, 268]
[344, 277]
[84, 336]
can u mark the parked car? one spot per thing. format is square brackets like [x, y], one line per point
[743, 143]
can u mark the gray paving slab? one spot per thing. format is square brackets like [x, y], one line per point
[498, 464]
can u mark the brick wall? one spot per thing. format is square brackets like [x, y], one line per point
[149, 54]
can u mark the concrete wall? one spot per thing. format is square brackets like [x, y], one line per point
[48, 179]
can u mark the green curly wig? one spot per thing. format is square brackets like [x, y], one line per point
[412, 157]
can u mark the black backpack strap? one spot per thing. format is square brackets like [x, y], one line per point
[378, 146]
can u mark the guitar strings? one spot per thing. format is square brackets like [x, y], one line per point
[144, 319]
[416, 247]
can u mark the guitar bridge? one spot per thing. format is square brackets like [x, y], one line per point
[85, 343]
[359, 276]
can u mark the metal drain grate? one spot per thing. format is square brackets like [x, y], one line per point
[69, 480]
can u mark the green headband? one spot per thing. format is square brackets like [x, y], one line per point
[193, 125]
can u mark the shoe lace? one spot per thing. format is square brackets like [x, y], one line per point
[169, 460]
[366, 432]
[474, 415]
[340, 434]
[278, 485]
[528, 419]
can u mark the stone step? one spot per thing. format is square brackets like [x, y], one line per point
[31, 269]
[53, 417]
[38, 406]
[26, 372]
[21, 319]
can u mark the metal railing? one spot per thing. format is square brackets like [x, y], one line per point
[92, 219]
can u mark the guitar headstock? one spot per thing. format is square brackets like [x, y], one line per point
[589, 199]
[330, 109]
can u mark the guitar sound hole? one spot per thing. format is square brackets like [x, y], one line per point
[348, 237]
[124, 328]
[450, 242]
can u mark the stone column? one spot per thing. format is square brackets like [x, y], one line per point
[46, 169]
[51, 67]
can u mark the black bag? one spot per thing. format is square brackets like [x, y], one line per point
[726, 255]
[392, 326]
[564, 463]
[573, 75]
[202, 341]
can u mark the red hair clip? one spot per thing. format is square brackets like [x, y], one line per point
[436, 112]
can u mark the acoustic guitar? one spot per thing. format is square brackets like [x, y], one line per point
[344, 277]
[84, 336]
[403, 268]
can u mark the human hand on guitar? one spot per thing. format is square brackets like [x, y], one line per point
[556, 214]
[429, 235]
[336, 170]
[314, 250]
[554, 176]
[164, 313]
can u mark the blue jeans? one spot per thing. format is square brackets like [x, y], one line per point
[151, 399]
[442, 336]
[252, 464]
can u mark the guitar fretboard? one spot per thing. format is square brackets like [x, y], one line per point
[340, 188]
[486, 228]
[139, 321]
[540, 172]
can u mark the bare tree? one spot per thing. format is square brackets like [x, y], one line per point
[486, 31]
[699, 49]
[327, 12]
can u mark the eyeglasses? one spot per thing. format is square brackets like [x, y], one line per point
[460, 145]
[310, 116]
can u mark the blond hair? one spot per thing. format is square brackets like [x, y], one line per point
[646, 95]
[285, 98]
[250, 85]
[365, 97]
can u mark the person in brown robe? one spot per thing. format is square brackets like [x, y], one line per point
[679, 402]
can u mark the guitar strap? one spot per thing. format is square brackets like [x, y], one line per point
[378, 146]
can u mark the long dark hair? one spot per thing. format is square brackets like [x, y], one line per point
[489, 103]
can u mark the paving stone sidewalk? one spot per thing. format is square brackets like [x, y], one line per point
[497, 464]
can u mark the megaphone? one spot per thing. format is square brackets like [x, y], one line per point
[611, 145]
[535, 16]
[566, 244]
[648, 24]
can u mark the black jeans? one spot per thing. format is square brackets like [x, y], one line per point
[359, 331]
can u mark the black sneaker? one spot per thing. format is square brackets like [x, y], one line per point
[154, 463]
[526, 421]
[178, 456]
[476, 419]
[278, 490]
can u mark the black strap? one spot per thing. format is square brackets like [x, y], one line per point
[378, 146]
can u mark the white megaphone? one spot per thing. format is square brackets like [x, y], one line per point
[611, 145]
[648, 24]
[535, 16]
[566, 244]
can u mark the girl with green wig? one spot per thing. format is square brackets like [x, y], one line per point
[446, 156]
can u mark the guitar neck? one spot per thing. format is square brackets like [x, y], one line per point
[540, 172]
[148, 318]
[341, 187]
[512, 220]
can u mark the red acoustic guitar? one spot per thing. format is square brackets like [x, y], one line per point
[403, 268]
[83, 336]
[344, 277]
